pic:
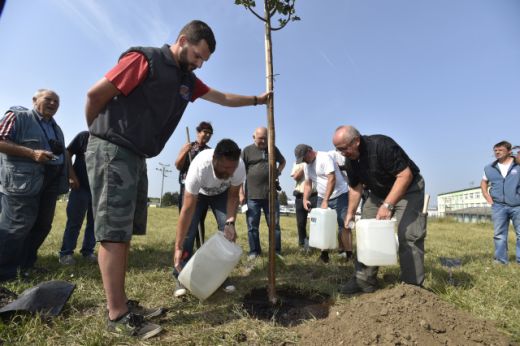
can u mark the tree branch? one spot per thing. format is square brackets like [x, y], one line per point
[256, 14]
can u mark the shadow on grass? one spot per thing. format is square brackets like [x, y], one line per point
[445, 275]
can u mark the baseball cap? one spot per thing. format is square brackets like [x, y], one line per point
[300, 151]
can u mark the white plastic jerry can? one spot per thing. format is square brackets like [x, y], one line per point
[209, 267]
[323, 229]
[376, 242]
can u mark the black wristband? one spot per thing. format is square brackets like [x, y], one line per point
[230, 223]
[255, 100]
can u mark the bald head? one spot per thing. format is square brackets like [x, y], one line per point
[346, 140]
[260, 137]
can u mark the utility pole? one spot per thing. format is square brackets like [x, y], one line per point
[164, 169]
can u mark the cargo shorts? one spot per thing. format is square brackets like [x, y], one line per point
[119, 185]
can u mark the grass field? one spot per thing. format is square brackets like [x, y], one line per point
[484, 289]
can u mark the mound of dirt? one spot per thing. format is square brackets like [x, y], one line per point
[403, 315]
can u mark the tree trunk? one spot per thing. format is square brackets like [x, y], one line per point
[272, 163]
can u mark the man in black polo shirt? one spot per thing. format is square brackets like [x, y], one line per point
[380, 165]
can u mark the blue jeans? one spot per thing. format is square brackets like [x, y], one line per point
[340, 205]
[502, 214]
[218, 205]
[80, 203]
[254, 211]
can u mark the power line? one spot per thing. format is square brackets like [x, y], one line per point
[164, 170]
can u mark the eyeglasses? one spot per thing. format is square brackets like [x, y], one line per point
[346, 147]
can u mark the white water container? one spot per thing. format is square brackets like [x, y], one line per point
[376, 242]
[209, 267]
[324, 229]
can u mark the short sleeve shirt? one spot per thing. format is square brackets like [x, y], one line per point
[132, 69]
[77, 148]
[318, 171]
[380, 160]
[257, 168]
[201, 176]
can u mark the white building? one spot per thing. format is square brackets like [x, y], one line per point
[468, 205]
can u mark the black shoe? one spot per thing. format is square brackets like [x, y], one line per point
[133, 325]
[324, 257]
[355, 285]
[136, 308]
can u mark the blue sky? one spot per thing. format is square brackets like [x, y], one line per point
[440, 77]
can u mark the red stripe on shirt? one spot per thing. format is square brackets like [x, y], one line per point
[132, 69]
[7, 125]
[129, 72]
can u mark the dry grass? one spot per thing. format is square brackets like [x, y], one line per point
[486, 290]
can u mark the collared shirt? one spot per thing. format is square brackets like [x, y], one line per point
[380, 160]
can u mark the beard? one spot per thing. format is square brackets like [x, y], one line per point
[184, 64]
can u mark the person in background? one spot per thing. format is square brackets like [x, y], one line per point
[256, 191]
[183, 161]
[517, 154]
[500, 185]
[33, 172]
[131, 113]
[396, 187]
[301, 213]
[322, 171]
[79, 204]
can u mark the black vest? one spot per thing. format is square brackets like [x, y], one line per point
[144, 120]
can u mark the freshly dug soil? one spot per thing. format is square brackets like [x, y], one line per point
[403, 315]
[292, 307]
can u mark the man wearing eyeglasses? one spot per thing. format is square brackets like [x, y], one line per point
[380, 165]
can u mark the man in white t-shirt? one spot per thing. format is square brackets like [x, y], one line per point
[213, 180]
[322, 170]
[502, 179]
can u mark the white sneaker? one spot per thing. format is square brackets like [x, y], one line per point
[180, 290]
[67, 260]
[228, 287]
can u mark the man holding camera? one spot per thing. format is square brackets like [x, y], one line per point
[257, 190]
[33, 172]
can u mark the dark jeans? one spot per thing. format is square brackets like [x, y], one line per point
[25, 222]
[301, 217]
[218, 205]
[253, 214]
[202, 219]
[80, 203]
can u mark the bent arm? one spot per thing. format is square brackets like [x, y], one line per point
[98, 97]
[234, 100]
[298, 174]
[13, 149]
[484, 186]
[403, 179]
[181, 158]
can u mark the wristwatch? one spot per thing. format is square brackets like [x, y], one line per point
[389, 206]
[230, 223]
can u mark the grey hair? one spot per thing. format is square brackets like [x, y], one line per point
[39, 92]
[349, 132]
